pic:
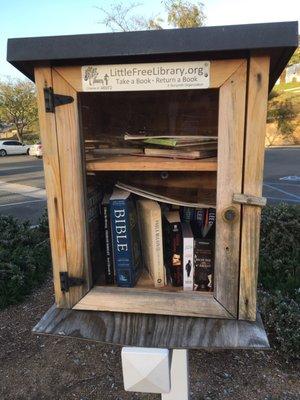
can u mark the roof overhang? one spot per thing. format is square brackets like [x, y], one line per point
[278, 40]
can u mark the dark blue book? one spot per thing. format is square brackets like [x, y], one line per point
[187, 214]
[125, 238]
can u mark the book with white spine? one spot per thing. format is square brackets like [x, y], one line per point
[188, 256]
[149, 213]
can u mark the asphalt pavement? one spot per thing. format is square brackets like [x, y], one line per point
[22, 188]
[282, 175]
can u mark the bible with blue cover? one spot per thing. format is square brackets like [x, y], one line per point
[125, 238]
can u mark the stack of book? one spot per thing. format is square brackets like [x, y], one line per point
[188, 147]
[174, 244]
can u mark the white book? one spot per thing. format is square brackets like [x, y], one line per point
[149, 213]
[188, 256]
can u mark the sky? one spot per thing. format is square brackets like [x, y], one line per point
[19, 18]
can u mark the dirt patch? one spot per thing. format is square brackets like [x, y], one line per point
[48, 368]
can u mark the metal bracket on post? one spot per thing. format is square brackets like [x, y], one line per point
[53, 100]
[66, 281]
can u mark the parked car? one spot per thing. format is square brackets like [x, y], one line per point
[8, 147]
[36, 150]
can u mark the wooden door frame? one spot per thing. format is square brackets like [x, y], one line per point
[230, 77]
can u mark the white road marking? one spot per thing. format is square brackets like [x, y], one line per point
[21, 202]
[282, 191]
[293, 178]
[24, 190]
[283, 199]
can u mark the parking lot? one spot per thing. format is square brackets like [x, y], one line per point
[22, 187]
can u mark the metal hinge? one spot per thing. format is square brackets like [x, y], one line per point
[66, 281]
[53, 100]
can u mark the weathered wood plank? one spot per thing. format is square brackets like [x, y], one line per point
[139, 163]
[253, 176]
[229, 181]
[43, 78]
[249, 200]
[154, 330]
[73, 188]
[152, 301]
[221, 71]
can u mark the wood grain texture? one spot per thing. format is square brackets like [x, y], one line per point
[253, 177]
[249, 200]
[43, 77]
[154, 330]
[151, 301]
[72, 75]
[220, 71]
[229, 181]
[139, 163]
[73, 188]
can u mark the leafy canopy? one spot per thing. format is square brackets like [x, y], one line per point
[180, 14]
[18, 104]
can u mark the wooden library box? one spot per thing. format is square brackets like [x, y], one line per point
[208, 84]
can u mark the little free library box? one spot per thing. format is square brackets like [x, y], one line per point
[153, 148]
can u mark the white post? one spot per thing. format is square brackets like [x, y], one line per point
[152, 370]
[179, 377]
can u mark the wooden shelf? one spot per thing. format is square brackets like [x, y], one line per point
[151, 301]
[144, 297]
[137, 163]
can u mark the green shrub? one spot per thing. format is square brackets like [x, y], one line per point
[24, 258]
[279, 277]
[281, 316]
[279, 268]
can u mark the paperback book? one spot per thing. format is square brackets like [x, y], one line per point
[188, 256]
[149, 213]
[93, 210]
[173, 247]
[106, 241]
[203, 264]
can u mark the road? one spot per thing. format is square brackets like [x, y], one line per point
[282, 175]
[22, 187]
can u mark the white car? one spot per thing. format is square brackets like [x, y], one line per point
[36, 150]
[8, 147]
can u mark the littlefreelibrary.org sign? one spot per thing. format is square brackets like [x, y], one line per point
[146, 76]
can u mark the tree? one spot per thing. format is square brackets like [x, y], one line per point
[295, 59]
[282, 114]
[184, 14]
[180, 14]
[18, 104]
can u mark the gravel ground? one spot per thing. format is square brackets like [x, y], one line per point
[39, 367]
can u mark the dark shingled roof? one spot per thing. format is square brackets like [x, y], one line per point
[279, 40]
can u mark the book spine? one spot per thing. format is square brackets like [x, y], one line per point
[199, 217]
[120, 229]
[157, 247]
[187, 214]
[203, 265]
[109, 268]
[176, 255]
[94, 227]
[208, 226]
[188, 263]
